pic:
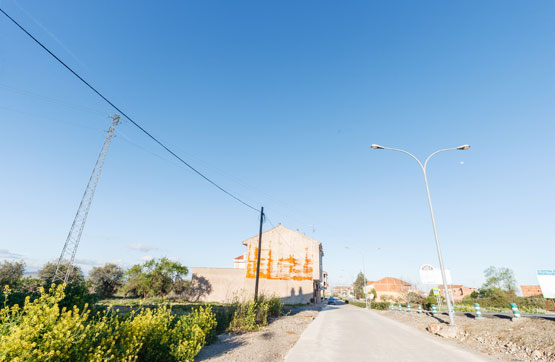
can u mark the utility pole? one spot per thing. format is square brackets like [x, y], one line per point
[74, 236]
[259, 252]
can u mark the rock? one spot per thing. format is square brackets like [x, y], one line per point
[536, 354]
[449, 332]
[434, 328]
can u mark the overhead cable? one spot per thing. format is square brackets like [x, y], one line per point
[126, 116]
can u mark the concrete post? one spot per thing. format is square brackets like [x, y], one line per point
[516, 313]
[419, 308]
[434, 309]
[400, 308]
[478, 311]
[408, 307]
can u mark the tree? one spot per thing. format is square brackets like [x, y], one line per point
[11, 273]
[106, 280]
[358, 286]
[154, 277]
[374, 293]
[498, 281]
[46, 274]
[413, 297]
[76, 291]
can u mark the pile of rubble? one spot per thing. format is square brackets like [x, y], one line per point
[523, 339]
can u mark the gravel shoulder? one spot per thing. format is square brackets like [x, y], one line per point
[268, 344]
[525, 339]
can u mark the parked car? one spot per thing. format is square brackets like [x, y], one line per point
[331, 300]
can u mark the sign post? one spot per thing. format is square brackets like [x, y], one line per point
[546, 278]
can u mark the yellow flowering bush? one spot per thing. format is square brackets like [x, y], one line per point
[42, 331]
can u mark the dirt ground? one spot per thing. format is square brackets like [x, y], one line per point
[525, 339]
[269, 344]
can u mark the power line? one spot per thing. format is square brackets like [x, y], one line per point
[129, 118]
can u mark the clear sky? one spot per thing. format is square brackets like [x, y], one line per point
[279, 103]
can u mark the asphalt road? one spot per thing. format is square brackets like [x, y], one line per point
[348, 333]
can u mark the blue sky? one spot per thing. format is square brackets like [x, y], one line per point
[279, 103]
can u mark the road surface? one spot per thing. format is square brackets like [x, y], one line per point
[348, 333]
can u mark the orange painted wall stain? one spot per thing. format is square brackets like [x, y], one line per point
[284, 268]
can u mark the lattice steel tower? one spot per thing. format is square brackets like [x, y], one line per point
[72, 241]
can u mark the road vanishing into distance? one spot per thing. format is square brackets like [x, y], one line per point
[347, 333]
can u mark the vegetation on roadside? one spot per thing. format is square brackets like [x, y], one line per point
[155, 277]
[502, 303]
[106, 280]
[371, 305]
[252, 315]
[42, 330]
[68, 323]
[358, 286]
[498, 292]
[495, 295]
[76, 292]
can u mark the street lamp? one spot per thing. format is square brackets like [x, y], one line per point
[424, 167]
[363, 273]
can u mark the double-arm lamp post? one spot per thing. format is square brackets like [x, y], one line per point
[424, 167]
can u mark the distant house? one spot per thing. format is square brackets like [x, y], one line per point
[530, 290]
[392, 289]
[290, 268]
[457, 291]
[240, 262]
[342, 291]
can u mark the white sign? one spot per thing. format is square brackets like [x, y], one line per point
[546, 278]
[431, 275]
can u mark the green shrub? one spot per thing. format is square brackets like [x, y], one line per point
[275, 306]
[11, 273]
[431, 299]
[244, 317]
[379, 305]
[358, 304]
[502, 302]
[251, 315]
[223, 315]
[41, 330]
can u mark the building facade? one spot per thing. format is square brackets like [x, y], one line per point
[343, 291]
[290, 268]
[390, 289]
[530, 290]
[457, 292]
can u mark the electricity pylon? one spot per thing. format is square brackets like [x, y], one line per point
[72, 241]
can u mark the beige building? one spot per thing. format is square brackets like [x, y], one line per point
[457, 292]
[342, 291]
[290, 268]
[530, 290]
[392, 289]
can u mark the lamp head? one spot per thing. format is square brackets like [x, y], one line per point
[463, 147]
[377, 147]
